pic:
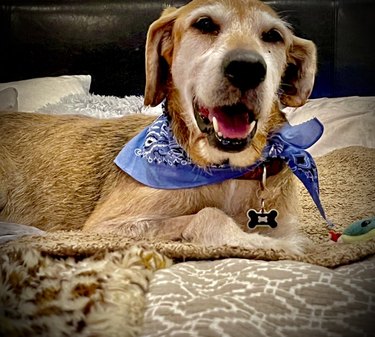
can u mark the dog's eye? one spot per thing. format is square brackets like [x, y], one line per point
[272, 36]
[206, 26]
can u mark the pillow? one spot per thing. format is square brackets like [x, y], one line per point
[348, 121]
[37, 92]
[8, 99]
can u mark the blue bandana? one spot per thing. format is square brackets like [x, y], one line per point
[154, 158]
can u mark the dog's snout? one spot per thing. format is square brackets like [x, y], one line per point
[244, 69]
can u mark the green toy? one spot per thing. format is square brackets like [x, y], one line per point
[360, 230]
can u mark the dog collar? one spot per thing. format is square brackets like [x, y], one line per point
[272, 166]
[154, 158]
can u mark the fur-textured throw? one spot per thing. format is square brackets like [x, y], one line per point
[65, 283]
[100, 106]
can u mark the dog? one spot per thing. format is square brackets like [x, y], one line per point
[224, 68]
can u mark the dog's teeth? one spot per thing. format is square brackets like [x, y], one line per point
[216, 127]
[252, 126]
[215, 124]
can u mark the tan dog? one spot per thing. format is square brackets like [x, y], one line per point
[223, 66]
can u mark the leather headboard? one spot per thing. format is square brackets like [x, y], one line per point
[105, 38]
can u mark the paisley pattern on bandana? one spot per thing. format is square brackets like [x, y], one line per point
[161, 147]
[301, 163]
[282, 145]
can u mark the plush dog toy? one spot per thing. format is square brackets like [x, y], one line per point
[360, 230]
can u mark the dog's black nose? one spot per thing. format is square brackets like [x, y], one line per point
[244, 69]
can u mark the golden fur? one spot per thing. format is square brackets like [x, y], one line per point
[57, 172]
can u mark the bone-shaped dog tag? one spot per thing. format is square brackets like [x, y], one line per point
[262, 218]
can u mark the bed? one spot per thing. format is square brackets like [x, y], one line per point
[86, 57]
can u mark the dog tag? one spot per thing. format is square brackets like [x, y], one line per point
[262, 218]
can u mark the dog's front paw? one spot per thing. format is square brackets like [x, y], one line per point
[293, 244]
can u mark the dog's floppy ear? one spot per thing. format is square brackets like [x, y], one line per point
[159, 50]
[299, 76]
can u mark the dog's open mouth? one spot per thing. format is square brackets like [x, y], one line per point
[229, 128]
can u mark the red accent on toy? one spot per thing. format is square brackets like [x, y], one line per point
[334, 236]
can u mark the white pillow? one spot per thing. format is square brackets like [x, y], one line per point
[348, 121]
[37, 92]
[8, 100]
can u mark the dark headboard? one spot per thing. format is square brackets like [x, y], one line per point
[105, 38]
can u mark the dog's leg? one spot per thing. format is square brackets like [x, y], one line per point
[212, 227]
[147, 227]
[209, 227]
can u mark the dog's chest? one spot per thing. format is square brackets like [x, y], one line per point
[237, 196]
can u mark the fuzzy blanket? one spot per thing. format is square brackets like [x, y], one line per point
[65, 283]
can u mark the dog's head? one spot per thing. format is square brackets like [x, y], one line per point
[223, 67]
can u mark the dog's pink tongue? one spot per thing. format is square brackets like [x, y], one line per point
[232, 125]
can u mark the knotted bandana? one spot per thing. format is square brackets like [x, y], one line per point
[154, 158]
